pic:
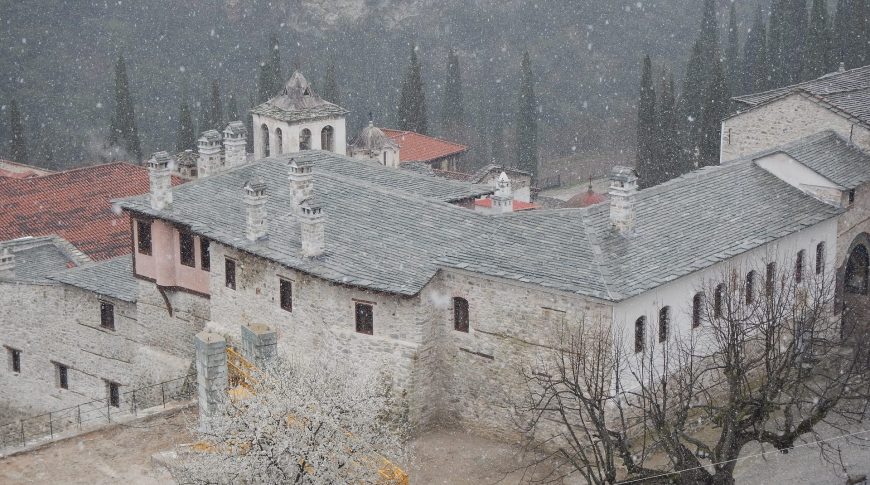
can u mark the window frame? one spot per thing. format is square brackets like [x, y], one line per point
[113, 393]
[799, 263]
[205, 253]
[14, 359]
[770, 279]
[288, 284]
[183, 248]
[749, 287]
[664, 323]
[718, 300]
[697, 309]
[821, 249]
[61, 375]
[461, 317]
[640, 334]
[143, 228]
[361, 314]
[230, 273]
[107, 312]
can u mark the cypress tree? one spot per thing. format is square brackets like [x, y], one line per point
[185, 138]
[775, 51]
[452, 112]
[264, 84]
[755, 65]
[16, 129]
[732, 55]
[330, 91]
[817, 51]
[124, 122]
[692, 104]
[215, 108]
[249, 119]
[276, 74]
[527, 122]
[788, 20]
[497, 151]
[648, 173]
[204, 122]
[852, 33]
[412, 103]
[715, 109]
[232, 110]
[668, 139]
[709, 38]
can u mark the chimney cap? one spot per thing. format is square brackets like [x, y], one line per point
[300, 165]
[160, 160]
[623, 174]
[311, 205]
[255, 187]
[209, 136]
[236, 129]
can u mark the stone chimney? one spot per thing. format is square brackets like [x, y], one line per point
[235, 140]
[503, 199]
[161, 181]
[255, 209]
[210, 153]
[7, 264]
[623, 187]
[301, 182]
[312, 228]
[842, 67]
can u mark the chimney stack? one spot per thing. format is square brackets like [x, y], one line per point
[312, 228]
[503, 199]
[160, 180]
[301, 183]
[842, 67]
[210, 153]
[235, 141]
[623, 187]
[255, 208]
[7, 264]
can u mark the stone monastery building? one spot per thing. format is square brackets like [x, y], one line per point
[351, 257]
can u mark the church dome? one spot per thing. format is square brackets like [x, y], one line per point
[373, 139]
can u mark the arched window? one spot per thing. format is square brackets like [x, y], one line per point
[327, 138]
[305, 139]
[770, 279]
[265, 132]
[750, 288]
[697, 308]
[639, 334]
[279, 141]
[856, 271]
[664, 323]
[820, 258]
[460, 314]
[717, 300]
[799, 266]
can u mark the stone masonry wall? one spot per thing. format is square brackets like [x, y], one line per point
[783, 121]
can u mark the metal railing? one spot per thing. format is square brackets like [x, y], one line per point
[73, 418]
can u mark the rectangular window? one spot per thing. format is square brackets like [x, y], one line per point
[62, 375]
[286, 295]
[185, 242]
[143, 231]
[770, 279]
[230, 273]
[820, 258]
[14, 359]
[365, 319]
[107, 315]
[113, 389]
[460, 314]
[204, 254]
[799, 267]
[852, 196]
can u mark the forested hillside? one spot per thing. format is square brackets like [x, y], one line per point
[58, 63]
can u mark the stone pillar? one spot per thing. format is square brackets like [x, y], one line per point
[313, 228]
[623, 188]
[259, 343]
[210, 148]
[211, 372]
[301, 182]
[256, 226]
[160, 181]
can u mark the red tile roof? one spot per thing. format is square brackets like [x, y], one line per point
[517, 206]
[414, 147]
[20, 171]
[74, 204]
[585, 199]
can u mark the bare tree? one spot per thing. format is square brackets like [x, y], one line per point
[765, 361]
[306, 422]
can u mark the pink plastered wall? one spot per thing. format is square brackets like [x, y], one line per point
[163, 265]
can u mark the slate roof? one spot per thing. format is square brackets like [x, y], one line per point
[830, 156]
[388, 236]
[847, 91]
[415, 147]
[113, 278]
[74, 204]
[36, 258]
[298, 102]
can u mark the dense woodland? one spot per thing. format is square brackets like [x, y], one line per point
[189, 64]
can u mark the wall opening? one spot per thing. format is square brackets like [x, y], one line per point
[264, 130]
[327, 138]
[305, 139]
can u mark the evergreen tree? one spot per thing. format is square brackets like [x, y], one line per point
[16, 128]
[755, 65]
[715, 110]
[527, 121]
[330, 91]
[215, 109]
[204, 122]
[648, 172]
[709, 38]
[668, 138]
[732, 55]
[185, 138]
[124, 129]
[412, 103]
[276, 74]
[692, 103]
[498, 153]
[852, 33]
[232, 110]
[817, 51]
[452, 112]
[249, 119]
[788, 21]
